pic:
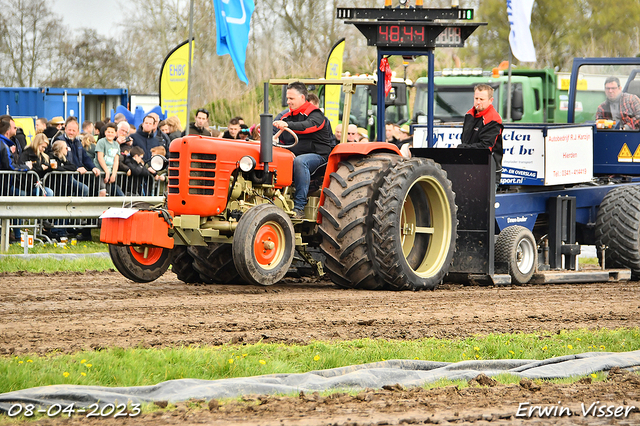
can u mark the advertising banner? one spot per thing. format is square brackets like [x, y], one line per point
[541, 155]
[174, 83]
[333, 71]
[569, 155]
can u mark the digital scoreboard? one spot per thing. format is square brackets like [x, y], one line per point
[415, 35]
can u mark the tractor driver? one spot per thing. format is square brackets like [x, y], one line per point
[314, 141]
[623, 108]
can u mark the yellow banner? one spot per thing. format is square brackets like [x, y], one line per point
[28, 127]
[174, 83]
[333, 71]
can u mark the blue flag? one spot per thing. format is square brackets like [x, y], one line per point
[232, 21]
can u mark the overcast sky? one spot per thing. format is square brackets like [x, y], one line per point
[101, 15]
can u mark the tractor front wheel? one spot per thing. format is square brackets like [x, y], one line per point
[141, 264]
[263, 245]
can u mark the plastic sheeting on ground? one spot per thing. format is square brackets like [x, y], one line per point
[56, 256]
[375, 375]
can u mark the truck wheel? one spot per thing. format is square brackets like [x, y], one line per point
[618, 228]
[346, 222]
[263, 244]
[214, 264]
[414, 225]
[516, 246]
[182, 265]
[140, 264]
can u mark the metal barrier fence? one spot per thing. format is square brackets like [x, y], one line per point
[19, 189]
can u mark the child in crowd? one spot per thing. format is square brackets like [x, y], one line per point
[89, 145]
[141, 174]
[107, 159]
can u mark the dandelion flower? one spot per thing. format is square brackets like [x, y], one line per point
[602, 347]
[89, 365]
[512, 352]
[29, 360]
[83, 374]
[262, 361]
[83, 361]
[230, 360]
[594, 375]
[20, 362]
[65, 374]
[475, 348]
[569, 347]
[477, 356]
[416, 358]
[316, 358]
[545, 348]
[578, 339]
[245, 355]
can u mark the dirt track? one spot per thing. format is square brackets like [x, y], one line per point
[69, 312]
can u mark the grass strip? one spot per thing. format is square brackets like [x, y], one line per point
[141, 367]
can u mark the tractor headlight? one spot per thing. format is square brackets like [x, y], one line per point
[247, 163]
[158, 162]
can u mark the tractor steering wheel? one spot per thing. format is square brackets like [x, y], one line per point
[276, 138]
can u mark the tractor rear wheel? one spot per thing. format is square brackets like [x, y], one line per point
[346, 220]
[516, 246]
[214, 264]
[263, 244]
[414, 225]
[182, 265]
[141, 264]
[618, 228]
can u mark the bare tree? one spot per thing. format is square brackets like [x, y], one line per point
[29, 31]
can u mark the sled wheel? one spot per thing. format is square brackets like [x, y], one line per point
[414, 225]
[141, 264]
[182, 265]
[263, 245]
[346, 221]
[516, 246]
[618, 228]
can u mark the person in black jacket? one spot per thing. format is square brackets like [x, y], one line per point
[483, 127]
[39, 161]
[140, 175]
[315, 140]
[145, 136]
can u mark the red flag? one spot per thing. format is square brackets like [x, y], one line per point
[384, 67]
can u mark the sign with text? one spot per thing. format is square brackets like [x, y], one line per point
[174, 83]
[569, 155]
[563, 156]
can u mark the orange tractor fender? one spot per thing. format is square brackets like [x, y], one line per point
[347, 150]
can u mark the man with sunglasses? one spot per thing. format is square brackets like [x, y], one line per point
[623, 108]
[201, 125]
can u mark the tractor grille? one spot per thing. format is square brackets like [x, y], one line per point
[201, 173]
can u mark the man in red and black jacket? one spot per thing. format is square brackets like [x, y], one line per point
[483, 127]
[315, 141]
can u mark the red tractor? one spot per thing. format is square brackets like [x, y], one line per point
[381, 221]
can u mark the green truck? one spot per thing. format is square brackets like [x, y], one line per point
[537, 96]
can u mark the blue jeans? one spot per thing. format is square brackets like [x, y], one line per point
[37, 191]
[303, 166]
[78, 188]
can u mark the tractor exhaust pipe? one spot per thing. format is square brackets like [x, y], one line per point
[266, 132]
